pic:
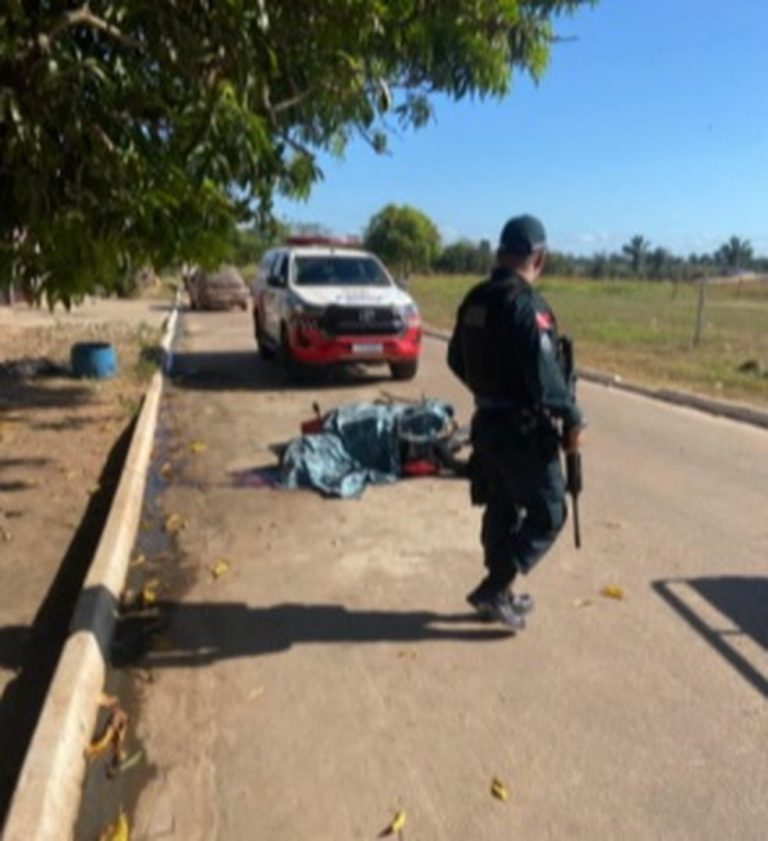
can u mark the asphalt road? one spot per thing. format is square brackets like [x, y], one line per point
[333, 676]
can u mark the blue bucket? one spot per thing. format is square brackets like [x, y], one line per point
[95, 360]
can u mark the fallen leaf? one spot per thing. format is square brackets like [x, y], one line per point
[499, 790]
[197, 447]
[105, 700]
[220, 568]
[396, 825]
[174, 523]
[166, 471]
[132, 760]
[117, 831]
[140, 559]
[148, 593]
[113, 736]
[410, 654]
[612, 591]
[5, 534]
[582, 602]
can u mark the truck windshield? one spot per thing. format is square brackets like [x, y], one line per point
[338, 271]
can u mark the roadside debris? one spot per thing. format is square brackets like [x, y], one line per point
[197, 447]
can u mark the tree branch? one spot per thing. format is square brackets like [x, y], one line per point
[85, 17]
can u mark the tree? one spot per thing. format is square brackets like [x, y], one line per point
[636, 250]
[404, 238]
[735, 254]
[660, 262]
[136, 130]
[465, 256]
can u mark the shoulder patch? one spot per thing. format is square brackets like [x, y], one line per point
[544, 321]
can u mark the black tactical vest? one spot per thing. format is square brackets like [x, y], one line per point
[491, 368]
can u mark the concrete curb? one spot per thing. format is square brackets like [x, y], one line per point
[722, 408]
[47, 797]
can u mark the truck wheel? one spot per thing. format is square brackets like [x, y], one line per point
[296, 370]
[404, 370]
[266, 351]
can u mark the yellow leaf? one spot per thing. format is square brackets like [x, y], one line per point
[219, 568]
[98, 746]
[117, 831]
[174, 523]
[611, 591]
[149, 591]
[499, 790]
[197, 447]
[105, 700]
[398, 823]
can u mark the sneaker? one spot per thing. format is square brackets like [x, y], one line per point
[497, 607]
[522, 603]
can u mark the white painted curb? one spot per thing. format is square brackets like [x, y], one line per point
[46, 801]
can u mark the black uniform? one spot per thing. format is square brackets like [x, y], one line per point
[504, 348]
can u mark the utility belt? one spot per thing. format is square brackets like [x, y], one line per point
[523, 419]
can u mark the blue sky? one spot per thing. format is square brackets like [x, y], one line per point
[654, 121]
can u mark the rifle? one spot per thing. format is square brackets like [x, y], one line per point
[573, 481]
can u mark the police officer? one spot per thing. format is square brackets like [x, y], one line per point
[504, 348]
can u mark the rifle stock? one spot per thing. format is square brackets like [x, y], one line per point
[573, 481]
[573, 486]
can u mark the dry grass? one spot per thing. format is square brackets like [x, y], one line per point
[643, 331]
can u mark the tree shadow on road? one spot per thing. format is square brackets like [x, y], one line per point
[180, 634]
[742, 601]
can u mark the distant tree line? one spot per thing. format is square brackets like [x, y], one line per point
[408, 241]
[639, 259]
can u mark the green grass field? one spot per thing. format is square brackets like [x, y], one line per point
[643, 331]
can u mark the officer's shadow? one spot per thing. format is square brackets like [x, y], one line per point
[179, 634]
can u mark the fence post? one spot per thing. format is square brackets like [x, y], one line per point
[700, 311]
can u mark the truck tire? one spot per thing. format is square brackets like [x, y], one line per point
[404, 370]
[297, 371]
[266, 351]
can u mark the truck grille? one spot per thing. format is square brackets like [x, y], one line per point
[361, 321]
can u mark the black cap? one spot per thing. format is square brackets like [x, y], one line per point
[523, 235]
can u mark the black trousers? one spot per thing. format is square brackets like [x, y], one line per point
[524, 494]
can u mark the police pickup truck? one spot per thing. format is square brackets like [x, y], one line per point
[320, 301]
